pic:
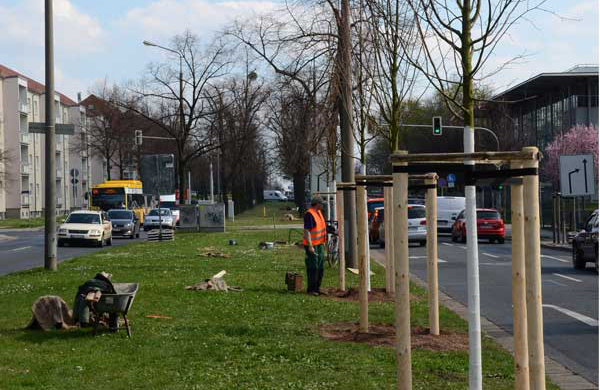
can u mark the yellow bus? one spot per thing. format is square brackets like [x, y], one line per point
[119, 194]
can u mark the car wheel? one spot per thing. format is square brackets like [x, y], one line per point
[422, 243]
[491, 240]
[137, 235]
[101, 242]
[578, 260]
[501, 240]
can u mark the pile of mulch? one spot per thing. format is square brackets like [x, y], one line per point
[385, 335]
[377, 294]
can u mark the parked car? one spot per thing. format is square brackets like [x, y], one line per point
[125, 223]
[417, 226]
[374, 223]
[585, 243]
[448, 208]
[153, 220]
[274, 195]
[490, 225]
[86, 226]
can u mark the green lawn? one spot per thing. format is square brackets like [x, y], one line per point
[266, 214]
[261, 338]
[18, 223]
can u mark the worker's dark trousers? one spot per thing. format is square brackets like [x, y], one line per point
[314, 268]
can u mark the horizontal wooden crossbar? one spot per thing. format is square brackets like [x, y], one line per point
[477, 157]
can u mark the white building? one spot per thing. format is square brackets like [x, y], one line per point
[22, 100]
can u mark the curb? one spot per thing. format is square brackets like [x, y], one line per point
[556, 372]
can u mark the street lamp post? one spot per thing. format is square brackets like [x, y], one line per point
[181, 117]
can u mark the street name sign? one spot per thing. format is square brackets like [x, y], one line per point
[59, 128]
[577, 175]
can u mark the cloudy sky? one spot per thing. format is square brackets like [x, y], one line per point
[103, 39]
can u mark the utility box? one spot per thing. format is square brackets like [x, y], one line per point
[189, 217]
[212, 217]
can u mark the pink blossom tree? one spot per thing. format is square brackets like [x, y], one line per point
[580, 139]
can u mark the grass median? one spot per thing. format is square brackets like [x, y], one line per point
[260, 338]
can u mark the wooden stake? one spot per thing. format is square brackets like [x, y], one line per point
[386, 225]
[363, 298]
[533, 277]
[400, 237]
[339, 200]
[432, 258]
[518, 285]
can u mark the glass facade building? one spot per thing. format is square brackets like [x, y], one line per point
[551, 103]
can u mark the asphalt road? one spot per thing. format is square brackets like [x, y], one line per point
[570, 297]
[24, 249]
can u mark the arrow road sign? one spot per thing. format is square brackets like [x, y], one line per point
[577, 175]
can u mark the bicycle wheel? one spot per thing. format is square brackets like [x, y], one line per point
[332, 251]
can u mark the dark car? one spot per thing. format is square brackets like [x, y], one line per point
[490, 225]
[124, 223]
[585, 243]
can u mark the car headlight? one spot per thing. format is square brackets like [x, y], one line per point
[94, 232]
[62, 231]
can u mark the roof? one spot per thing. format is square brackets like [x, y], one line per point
[86, 212]
[120, 183]
[33, 85]
[542, 82]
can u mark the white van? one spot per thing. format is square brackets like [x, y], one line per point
[170, 202]
[448, 208]
[274, 195]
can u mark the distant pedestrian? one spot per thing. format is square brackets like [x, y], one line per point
[314, 242]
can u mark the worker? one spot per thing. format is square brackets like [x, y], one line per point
[314, 241]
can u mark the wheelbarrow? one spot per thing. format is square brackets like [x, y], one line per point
[115, 304]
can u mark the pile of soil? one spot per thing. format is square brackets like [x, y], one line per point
[377, 294]
[385, 335]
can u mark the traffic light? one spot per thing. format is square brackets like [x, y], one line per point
[138, 137]
[437, 125]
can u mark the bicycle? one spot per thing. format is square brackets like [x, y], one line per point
[332, 243]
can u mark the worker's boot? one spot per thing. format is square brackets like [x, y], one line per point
[319, 280]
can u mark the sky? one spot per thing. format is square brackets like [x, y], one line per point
[96, 40]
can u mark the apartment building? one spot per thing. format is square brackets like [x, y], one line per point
[22, 171]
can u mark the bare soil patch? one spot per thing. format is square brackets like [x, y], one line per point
[377, 294]
[385, 335]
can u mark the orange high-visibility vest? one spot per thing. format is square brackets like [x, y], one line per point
[317, 233]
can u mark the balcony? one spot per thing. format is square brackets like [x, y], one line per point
[24, 200]
[58, 173]
[24, 137]
[59, 202]
[24, 108]
[24, 168]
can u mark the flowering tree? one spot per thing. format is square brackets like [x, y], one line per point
[580, 139]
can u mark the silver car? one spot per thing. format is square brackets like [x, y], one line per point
[417, 226]
[125, 223]
[153, 220]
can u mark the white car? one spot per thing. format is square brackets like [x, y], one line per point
[153, 220]
[417, 226]
[448, 208]
[86, 226]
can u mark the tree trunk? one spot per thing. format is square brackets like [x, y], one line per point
[299, 191]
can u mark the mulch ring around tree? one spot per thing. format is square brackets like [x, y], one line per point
[377, 294]
[385, 335]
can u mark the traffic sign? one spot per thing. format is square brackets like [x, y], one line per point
[451, 184]
[74, 181]
[577, 175]
[442, 182]
[451, 178]
[74, 172]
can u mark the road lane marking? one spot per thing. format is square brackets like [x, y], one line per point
[490, 255]
[462, 247]
[568, 278]
[447, 244]
[21, 248]
[505, 263]
[554, 282]
[580, 317]
[424, 257]
[556, 258]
